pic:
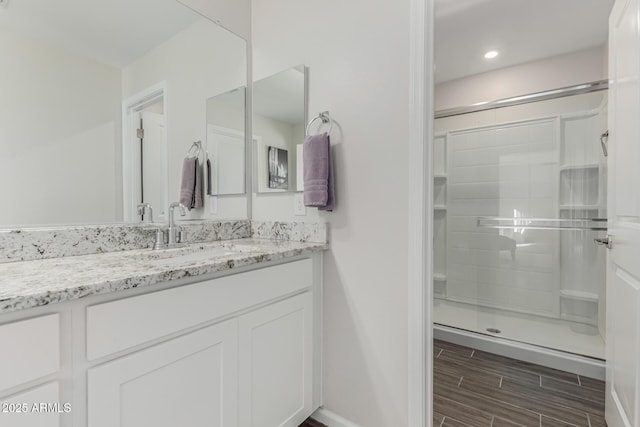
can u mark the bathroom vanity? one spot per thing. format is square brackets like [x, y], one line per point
[216, 334]
[95, 330]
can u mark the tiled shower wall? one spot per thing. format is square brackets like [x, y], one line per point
[503, 171]
[511, 164]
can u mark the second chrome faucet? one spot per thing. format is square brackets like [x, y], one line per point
[176, 236]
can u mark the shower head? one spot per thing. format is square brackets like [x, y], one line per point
[603, 142]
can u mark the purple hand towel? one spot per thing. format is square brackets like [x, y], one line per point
[191, 187]
[198, 199]
[318, 180]
[330, 195]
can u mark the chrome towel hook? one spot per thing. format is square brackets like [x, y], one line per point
[325, 117]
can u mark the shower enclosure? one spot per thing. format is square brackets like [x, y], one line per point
[520, 196]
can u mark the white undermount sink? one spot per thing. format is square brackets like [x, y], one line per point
[188, 254]
[194, 257]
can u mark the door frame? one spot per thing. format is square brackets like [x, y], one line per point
[420, 229]
[130, 169]
[220, 130]
[623, 227]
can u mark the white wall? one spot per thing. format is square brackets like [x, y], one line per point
[202, 61]
[358, 58]
[551, 73]
[59, 127]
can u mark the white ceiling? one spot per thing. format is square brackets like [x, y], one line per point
[119, 31]
[113, 31]
[521, 30]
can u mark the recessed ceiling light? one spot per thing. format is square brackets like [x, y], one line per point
[491, 54]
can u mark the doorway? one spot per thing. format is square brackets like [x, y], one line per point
[145, 153]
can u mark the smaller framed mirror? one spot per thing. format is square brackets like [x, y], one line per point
[279, 121]
[226, 143]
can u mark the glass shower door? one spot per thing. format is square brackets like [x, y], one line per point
[517, 205]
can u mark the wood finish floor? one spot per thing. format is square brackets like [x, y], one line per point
[478, 389]
[473, 388]
[310, 422]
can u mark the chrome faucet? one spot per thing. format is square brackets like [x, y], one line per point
[141, 209]
[172, 225]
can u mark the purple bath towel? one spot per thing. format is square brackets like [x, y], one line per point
[318, 173]
[191, 188]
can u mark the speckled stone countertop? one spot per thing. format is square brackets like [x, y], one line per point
[36, 283]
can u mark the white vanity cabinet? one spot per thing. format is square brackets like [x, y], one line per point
[254, 368]
[238, 348]
[30, 359]
[31, 350]
[276, 364]
[191, 380]
[37, 407]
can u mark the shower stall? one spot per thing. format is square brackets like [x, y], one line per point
[519, 197]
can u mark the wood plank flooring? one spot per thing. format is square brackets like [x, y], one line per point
[310, 422]
[477, 389]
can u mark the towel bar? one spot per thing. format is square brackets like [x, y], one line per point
[520, 223]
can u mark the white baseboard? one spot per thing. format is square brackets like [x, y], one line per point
[331, 419]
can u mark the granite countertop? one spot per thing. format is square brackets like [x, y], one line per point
[36, 283]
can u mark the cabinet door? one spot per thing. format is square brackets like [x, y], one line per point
[38, 407]
[276, 364]
[34, 351]
[187, 381]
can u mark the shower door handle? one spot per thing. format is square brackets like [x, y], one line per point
[606, 241]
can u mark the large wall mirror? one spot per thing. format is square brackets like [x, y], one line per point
[80, 78]
[279, 119]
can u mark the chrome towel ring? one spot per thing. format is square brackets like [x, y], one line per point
[197, 145]
[325, 117]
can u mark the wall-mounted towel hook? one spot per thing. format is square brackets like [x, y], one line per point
[325, 117]
[198, 147]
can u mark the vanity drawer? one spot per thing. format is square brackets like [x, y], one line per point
[31, 350]
[118, 325]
